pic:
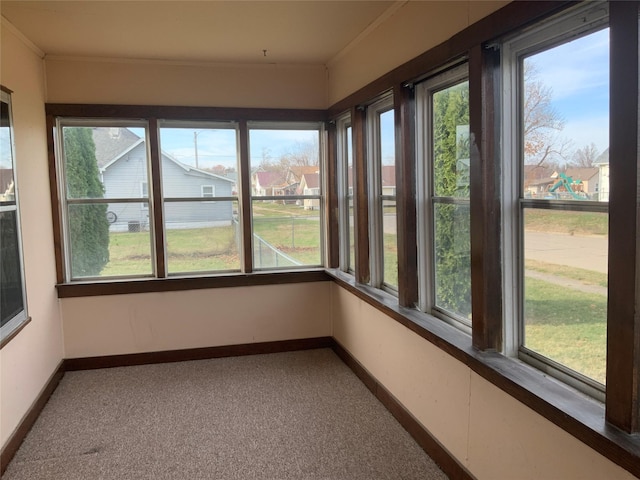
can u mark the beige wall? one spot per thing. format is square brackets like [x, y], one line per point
[411, 30]
[27, 361]
[172, 83]
[493, 435]
[147, 322]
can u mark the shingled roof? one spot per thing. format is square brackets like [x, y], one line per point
[112, 142]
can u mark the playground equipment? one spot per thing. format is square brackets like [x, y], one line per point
[566, 182]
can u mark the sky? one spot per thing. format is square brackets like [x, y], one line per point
[218, 146]
[577, 73]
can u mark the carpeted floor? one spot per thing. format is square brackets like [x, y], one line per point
[298, 415]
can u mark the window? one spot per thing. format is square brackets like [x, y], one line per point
[286, 200]
[443, 166]
[558, 97]
[13, 301]
[104, 192]
[208, 191]
[382, 208]
[199, 164]
[345, 194]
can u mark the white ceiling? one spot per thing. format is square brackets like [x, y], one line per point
[294, 32]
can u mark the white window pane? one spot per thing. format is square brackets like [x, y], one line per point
[451, 141]
[202, 236]
[565, 288]
[11, 294]
[194, 157]
[285, 235]
[452, 259]
[100, 249]
[565, 120]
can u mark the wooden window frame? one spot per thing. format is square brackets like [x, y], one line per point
[151, 115]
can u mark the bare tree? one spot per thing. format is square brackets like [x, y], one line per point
[585, 156]
[542, 123]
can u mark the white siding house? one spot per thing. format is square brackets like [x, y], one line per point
[122, 160]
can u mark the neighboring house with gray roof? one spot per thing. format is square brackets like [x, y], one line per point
[122, 162]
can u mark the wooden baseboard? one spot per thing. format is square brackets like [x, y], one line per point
[89, 363]
[11, 447]
[448, 463]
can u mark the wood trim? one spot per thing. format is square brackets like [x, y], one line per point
[570, 410]
[109, 361]
[360, 199]
[485, 199]
[331, 194]
[245, 197]
[156, 198]
[447, 462]
[15, 332]
[17, 437]
[56, 215]
[6, 90]
[183, 113]
[405, 141]
[174, 284]
[623, 325]
[514, 15]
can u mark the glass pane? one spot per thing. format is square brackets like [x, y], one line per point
[390, 243]
[452, 259]
[566, 120]
[202, 236]
[101, 249]
[199, 162]
[284, 162]
[286, 235]
[11, 295]
[7, 190]
[350, 192]
[451, 141]
[565, 288]
[105, 162]
[351, 226]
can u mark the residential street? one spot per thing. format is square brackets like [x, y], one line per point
[588, 252]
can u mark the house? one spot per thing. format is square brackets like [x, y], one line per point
[122, 162]
[268, 183]
[479, 411]
[602, 162]
[538, 179]
[310, 185]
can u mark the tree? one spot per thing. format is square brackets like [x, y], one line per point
[88, 224]
[541, 122]
[585, 156]
[451, 221]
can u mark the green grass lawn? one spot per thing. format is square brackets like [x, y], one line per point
[567, 326]
[559, 221]
[288, 228]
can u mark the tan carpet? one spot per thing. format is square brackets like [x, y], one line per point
[298, 415]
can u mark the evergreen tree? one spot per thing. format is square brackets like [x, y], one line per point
[452, 243]
[88, 224]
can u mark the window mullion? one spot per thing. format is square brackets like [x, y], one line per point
[485, 198]
[405, 127]
[361, 206]
[245, 197]
[623, 322]
[156, 195]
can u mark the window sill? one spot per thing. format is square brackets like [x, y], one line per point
[172, 284]
[574, 412]
[12, 334]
